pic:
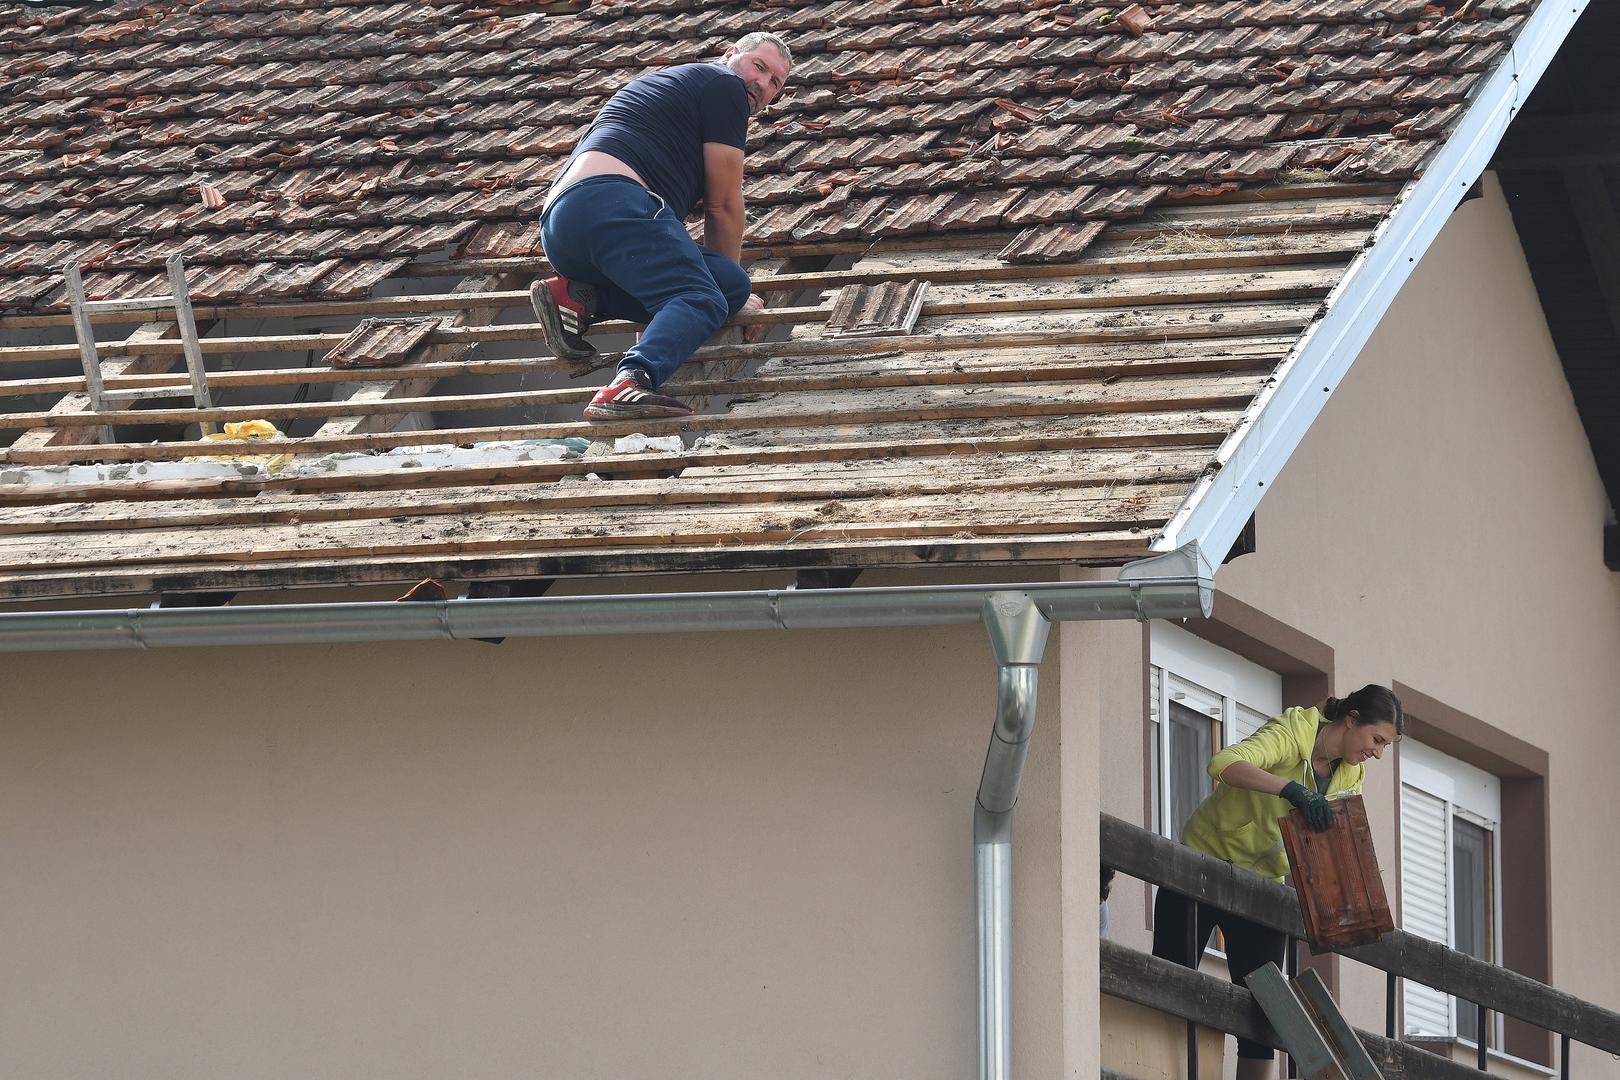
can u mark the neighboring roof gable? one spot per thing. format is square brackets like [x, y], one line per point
[1124, 234]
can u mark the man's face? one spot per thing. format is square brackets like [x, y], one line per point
[762, 69]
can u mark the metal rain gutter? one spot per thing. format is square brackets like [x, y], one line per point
[1170, 597]
[1176, 585]
[1214, 512]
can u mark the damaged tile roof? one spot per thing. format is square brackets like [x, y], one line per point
[292, 148]
[1119, 220]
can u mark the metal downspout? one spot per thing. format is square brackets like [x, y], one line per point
[1018, 632]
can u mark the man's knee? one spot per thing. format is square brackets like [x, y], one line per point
[712, 305]
[731, 279]
[737, 293]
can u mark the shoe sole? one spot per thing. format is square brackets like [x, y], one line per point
[634, 412]
[546, 310]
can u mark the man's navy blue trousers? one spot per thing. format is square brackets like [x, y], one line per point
[610, 232]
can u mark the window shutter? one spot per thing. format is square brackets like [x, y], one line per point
[1247, 721]
[1425, 907]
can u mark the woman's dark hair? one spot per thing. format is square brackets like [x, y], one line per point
[1372, 704]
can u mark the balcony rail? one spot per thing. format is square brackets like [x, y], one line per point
[1181, 991]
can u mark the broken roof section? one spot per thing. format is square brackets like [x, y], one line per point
[1126, 218]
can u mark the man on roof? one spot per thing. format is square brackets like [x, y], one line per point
[612, 223]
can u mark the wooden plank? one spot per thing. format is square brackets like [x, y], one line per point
[1192, 322]
[277, 507]
[1313, 992]
[1143, 290]
[1270, 216]
[289, 342]
[78, 403]
[1105, 257]
[1194, 351]
[1279, 192]
[946, 440]
[961, 475]
[1189, 392]
[1086, 549]
[1214, 1002]
[297, 376]
[926, 401]
[882, 373]
[992, 513]
[1102, 358]
[1192, 873]
[1134, 324]
[1068, 466]
[1019, 293]
[1296, 1027]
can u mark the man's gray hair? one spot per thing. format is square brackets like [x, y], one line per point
[752, 41]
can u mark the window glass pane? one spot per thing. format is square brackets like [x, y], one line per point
[1192, 744]
[1471, 905]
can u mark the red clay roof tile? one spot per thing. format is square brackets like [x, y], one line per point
[1048, 205]
[445, 125]
[1060, 243]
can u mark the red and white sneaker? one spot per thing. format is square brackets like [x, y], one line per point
[565, 310]
[626, 399]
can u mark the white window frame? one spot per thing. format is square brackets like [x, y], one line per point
[1474, 795]
[1249, 695]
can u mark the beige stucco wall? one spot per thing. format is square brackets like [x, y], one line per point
[1441, 525]
[730, 855]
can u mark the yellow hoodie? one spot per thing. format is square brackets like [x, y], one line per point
[1240, 826]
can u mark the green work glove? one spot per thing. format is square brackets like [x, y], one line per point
[1317, 810]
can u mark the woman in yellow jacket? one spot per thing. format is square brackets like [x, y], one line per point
[1303, 758]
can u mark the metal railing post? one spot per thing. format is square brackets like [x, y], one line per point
[1193, 958]
[1390, 988]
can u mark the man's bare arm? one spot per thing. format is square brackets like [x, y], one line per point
[723, 199]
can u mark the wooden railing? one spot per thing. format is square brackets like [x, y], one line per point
[1182, 991]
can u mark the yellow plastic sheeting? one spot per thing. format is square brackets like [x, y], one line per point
[252, 430]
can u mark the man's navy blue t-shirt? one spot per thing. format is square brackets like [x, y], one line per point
[658, 124]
